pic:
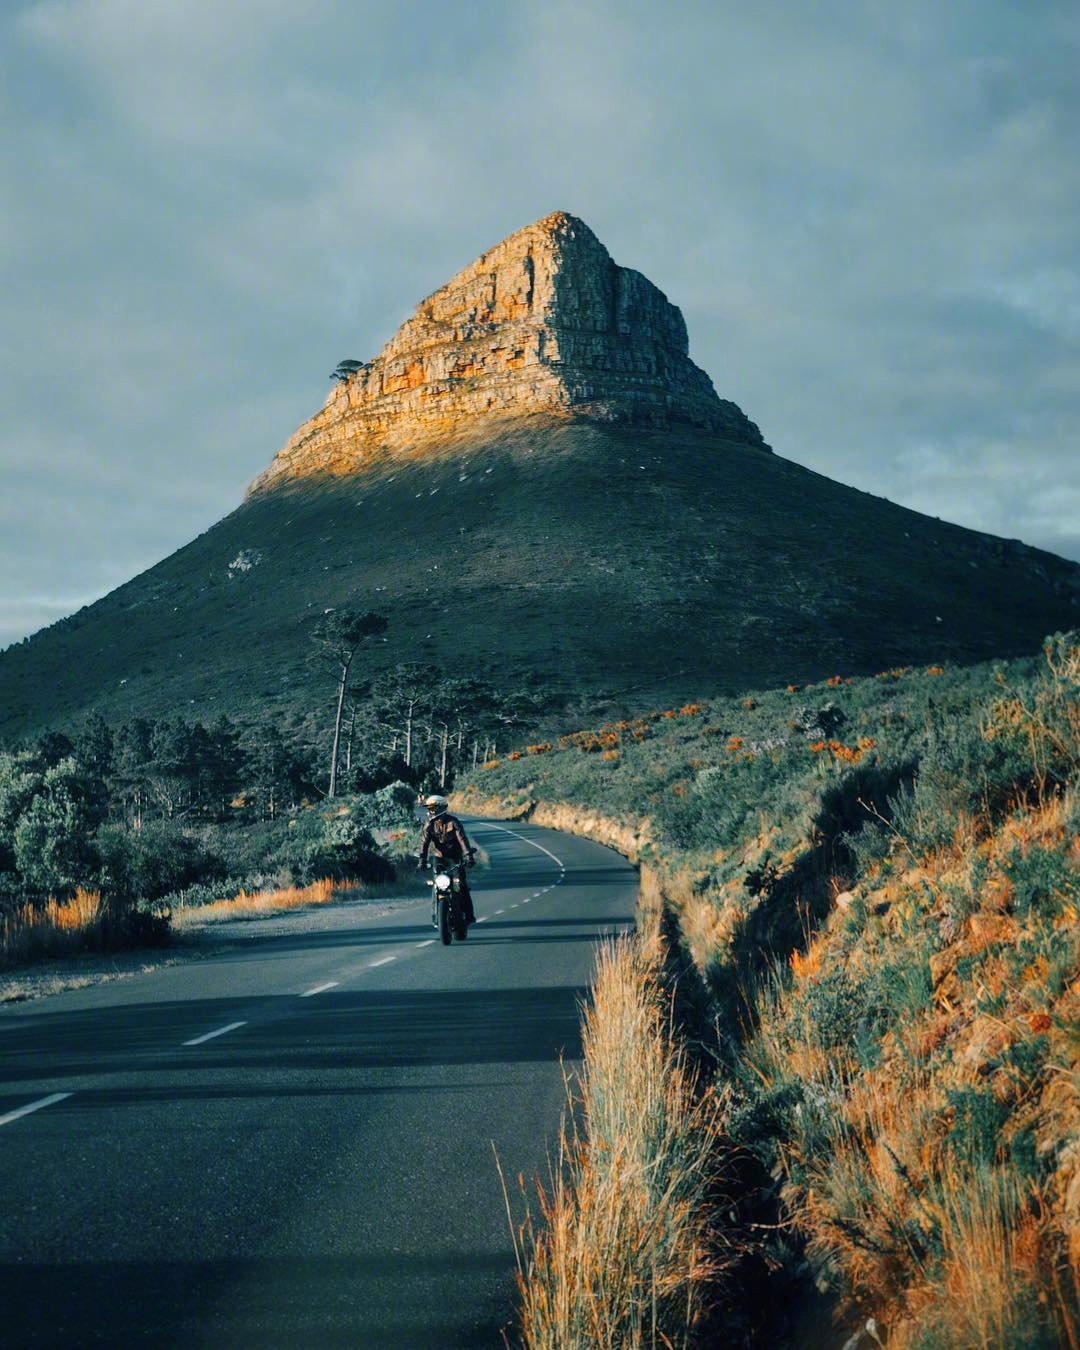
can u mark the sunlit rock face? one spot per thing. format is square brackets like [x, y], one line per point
[543, 323]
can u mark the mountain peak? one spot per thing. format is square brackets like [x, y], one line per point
[543, 323]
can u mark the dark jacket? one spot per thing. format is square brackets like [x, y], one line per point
[445, 836]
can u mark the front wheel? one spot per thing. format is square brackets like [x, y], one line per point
[461, 925]
[444, 921]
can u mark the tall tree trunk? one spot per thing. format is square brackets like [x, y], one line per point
[337, 725]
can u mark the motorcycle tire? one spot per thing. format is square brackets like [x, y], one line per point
[444, 923]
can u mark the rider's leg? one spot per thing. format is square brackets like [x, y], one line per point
[466, 896]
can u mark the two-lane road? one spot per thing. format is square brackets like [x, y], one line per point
[293, 1143]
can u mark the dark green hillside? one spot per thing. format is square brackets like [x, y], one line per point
[603, 559]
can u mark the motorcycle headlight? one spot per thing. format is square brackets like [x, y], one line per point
[442, 882]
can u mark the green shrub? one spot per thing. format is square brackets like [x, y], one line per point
[869, 847]
[974, 1136]
[387, 808]
[827, 1012]
[903, 986]
[1042, 879]
[333, 841]
[764, 1115]
[153, 862]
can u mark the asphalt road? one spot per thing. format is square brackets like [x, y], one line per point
[293, 1143]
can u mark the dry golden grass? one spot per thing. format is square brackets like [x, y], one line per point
[257, 904]
[624, 1246]
[54, 928]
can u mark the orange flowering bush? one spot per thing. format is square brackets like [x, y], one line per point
[847, 754]
[590, 741]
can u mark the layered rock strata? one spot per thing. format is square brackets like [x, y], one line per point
[544, 322]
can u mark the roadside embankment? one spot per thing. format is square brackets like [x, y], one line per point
[870, 896]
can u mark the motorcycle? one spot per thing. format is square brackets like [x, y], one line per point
[447, 903]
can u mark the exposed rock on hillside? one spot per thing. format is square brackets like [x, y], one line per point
[544, 322]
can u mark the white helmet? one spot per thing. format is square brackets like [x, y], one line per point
[436, 803]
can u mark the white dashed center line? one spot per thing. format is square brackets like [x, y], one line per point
[33, 1106]
[209, 1036]
[320, 989]
[426, 943]
[382, 961]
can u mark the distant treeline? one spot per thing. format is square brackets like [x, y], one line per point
[158, 809]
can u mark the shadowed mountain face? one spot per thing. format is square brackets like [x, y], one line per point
[607, 523]
[603, 558]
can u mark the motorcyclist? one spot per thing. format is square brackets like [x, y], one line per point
[444, 836]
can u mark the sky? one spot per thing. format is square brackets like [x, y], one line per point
[867, 212]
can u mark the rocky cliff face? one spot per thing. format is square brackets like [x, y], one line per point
[544, 322]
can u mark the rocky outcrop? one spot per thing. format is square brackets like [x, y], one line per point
[544, 322]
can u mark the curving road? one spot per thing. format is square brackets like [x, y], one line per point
[291, 1144]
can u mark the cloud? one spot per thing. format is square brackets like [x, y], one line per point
[867, 215]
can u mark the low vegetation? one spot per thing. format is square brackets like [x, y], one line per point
[876, 886]
[623, 1245]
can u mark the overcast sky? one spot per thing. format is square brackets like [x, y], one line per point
[866, 211]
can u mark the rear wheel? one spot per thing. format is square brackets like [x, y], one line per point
[444, 920]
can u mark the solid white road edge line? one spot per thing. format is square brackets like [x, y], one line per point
[320, 989]
[490, 825]
[33, 1106]
[209, 1036]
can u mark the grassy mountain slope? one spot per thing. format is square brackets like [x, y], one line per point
[877, 883]
[601, 559]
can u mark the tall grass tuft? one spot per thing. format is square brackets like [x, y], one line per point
[625, 1243]
[257, 904]
[54, 928]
